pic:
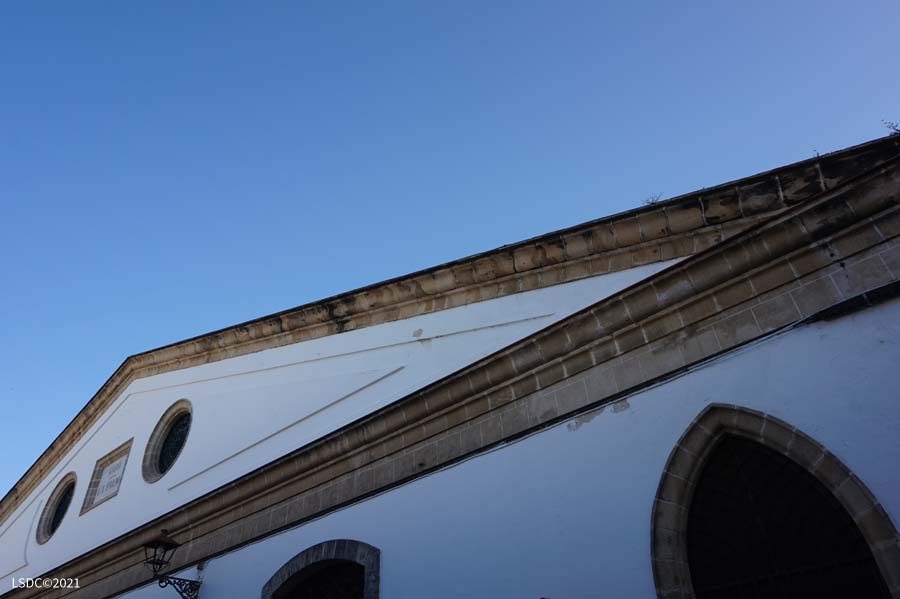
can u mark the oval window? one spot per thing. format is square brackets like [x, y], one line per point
[167, 441]
[56, 508]
[174, 441]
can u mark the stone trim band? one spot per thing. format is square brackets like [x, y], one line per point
[675, 228]
[838, 245]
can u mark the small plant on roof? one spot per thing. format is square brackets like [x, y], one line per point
[652, 199]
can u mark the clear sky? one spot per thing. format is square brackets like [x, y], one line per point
[171, 168]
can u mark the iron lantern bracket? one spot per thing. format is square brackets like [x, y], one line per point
[188, 589]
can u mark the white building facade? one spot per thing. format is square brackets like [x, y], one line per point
[692, 399]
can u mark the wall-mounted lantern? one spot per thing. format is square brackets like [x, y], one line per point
[157, 555]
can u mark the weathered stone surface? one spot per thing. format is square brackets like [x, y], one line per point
[415, 431]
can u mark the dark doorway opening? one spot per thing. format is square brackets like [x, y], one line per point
[761, 526]
[329, 579]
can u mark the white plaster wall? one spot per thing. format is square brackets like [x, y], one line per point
[565, 513]
[253, 409]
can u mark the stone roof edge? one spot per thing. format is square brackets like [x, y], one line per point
[630, 237]
[834, 232]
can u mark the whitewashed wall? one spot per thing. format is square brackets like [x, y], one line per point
[253, 409]
[565, 513]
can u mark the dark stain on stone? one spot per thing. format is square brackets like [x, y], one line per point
[857, 303]
[580, 421]
[621, 406]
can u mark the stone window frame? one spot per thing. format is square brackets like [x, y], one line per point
[671, 573]
[150, 464]
[365, 555]
[122, 450]
[43, 532]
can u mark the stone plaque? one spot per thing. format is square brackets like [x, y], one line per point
[107, 477]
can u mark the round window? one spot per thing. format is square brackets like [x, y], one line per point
[167, 441]
[56, 508]
[173, 441]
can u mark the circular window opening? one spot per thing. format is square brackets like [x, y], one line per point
[56, 508]
[167, 441]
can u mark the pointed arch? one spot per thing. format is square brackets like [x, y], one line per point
[671, 573]
[338, 551]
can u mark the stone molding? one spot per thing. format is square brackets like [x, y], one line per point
[674, 228]
[685, 465]
[366, 555]
[829, 249]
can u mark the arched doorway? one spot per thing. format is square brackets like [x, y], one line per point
[338, 569]
[751, 507]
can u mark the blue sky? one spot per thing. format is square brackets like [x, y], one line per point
[171, 168]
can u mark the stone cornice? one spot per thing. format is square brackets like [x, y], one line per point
[674, 228]
[840, 244]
